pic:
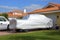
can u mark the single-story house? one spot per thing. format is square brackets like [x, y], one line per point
[52, 11]
[15, 14]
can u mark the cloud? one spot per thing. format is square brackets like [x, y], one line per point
[7, 7]
[33, 7]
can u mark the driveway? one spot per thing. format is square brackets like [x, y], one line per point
[4, 33]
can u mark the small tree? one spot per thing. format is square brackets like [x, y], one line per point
[5, 15]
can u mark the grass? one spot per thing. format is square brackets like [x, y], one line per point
[33, 35]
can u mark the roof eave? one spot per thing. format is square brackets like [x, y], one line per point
[51, 11]
[44, 12]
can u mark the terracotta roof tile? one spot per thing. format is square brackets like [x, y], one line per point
[18, 11]
[56, 7]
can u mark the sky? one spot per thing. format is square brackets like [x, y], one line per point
[30, 5]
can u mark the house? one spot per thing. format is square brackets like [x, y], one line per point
[15, 14]
[52, 11]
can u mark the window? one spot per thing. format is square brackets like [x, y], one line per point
[57, 16]
[26, 17]
[2, 19]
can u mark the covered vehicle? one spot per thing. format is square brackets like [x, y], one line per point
[34, 21]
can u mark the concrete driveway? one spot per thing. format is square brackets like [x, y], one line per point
[4, 33]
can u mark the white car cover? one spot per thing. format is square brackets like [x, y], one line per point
[34, 21]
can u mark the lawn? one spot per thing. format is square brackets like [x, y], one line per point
[33, 35]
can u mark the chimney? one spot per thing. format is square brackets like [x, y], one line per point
[24, 10]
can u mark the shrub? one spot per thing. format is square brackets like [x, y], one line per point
[5, 15]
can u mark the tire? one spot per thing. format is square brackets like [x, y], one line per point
[55, 28]
[8, 28]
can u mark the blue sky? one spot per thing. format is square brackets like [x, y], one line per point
[30, 5]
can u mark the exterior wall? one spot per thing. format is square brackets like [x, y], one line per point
[57, 16]
[52, 17]
[58, 19]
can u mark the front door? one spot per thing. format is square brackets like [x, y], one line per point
[3, 23]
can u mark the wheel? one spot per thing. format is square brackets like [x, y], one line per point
[55, 28]
[8, 28]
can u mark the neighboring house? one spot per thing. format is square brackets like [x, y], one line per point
[15, 14]
[52, 11]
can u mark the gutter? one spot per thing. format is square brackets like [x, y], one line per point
[51, 11]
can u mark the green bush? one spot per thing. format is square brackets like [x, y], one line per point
[5, 15]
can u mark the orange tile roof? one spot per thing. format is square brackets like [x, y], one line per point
[47, 9]
[19, 13]
[55, 4]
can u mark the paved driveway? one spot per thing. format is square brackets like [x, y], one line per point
[4, 33]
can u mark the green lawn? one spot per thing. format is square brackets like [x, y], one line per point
[33, 35]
